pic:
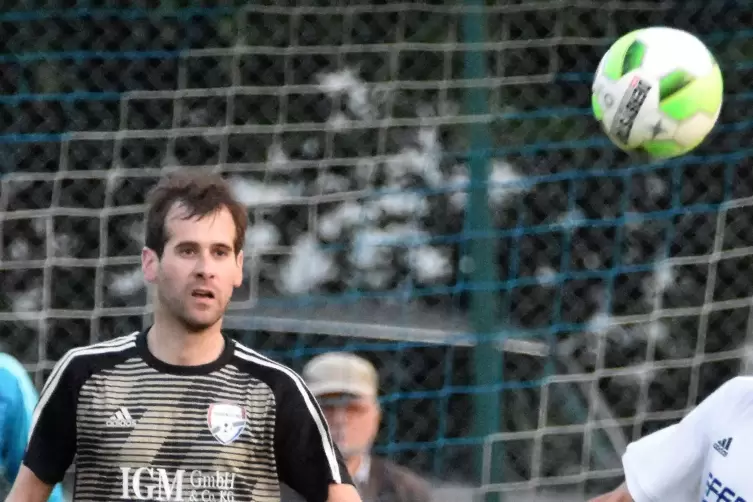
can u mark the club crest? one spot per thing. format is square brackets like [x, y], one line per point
[226, 421]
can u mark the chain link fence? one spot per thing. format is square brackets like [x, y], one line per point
[346, 129]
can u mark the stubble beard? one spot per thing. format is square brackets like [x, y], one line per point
[350, 452]
[178, 310]
[345, 450]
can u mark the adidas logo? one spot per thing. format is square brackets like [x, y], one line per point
[121, 418]
[722, 446]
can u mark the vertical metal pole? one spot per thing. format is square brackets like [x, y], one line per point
[483, 300]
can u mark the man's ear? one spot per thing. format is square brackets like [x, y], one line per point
[149, 264]
[238, 270]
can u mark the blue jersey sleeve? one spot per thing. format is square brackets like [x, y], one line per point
[18, 397]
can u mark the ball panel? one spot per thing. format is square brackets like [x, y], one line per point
[693, 131]
[670, 48]
[703, 95]
[664, 149]
[598, 111]
[633, 56]
[615, 57]
[674, 82]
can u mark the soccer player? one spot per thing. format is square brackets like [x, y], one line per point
[181, 412]
[704, 457]
[17, 399]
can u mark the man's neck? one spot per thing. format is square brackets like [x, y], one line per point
[353, 463]
[175, 346]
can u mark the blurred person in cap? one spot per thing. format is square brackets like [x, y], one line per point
[346, 387]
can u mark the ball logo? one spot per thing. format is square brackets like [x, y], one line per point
[226, 421]
[628, 109]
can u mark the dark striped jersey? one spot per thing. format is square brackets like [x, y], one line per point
[136, 428]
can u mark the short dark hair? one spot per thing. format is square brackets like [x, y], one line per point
[202, 194]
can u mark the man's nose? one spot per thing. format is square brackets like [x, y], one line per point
[338, 416]
[204, 266]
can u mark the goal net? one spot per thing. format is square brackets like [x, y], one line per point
[621, 290]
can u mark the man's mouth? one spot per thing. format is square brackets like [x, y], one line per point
[202, 293]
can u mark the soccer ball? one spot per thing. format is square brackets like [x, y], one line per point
[657, 90]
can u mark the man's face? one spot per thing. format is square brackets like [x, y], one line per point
[198, 270]
[353, 422]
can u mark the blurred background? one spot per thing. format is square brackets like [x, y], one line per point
[426, 188]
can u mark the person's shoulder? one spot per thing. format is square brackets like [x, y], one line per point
[396, 469]
[274, 374]
[11, 370]
[401, 476]
[10, 364]
[737, 391]
[119, 345]
[12, 379]
[91, 358]
[740, 382]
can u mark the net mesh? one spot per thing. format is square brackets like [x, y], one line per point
[624, 287]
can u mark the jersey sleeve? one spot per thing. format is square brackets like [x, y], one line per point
[307, 460]
[52, 435]
[668, 464]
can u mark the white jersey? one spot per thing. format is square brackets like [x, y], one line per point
[705, 457]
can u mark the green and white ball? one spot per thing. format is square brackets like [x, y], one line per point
[657, 90]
